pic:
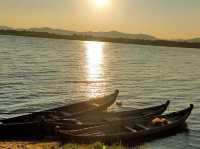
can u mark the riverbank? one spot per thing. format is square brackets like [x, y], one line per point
[56, 145]
[166, 43]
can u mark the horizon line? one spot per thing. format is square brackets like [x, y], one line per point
[160, 38]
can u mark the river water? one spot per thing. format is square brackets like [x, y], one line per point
[39, 73]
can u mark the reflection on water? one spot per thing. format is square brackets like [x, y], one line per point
[94, 58]
[94, 62]
[38, 74]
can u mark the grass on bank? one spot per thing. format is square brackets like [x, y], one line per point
[97, 146]
[55, 145]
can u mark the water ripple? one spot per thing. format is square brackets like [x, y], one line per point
[37, 74]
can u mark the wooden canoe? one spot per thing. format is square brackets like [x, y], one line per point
[68, 111]
[43, 128]
[129, 132]
[100, 118]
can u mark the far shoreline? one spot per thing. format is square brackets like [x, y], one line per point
[164, 43]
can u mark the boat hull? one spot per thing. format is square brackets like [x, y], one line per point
[113, 133]
[69, 111]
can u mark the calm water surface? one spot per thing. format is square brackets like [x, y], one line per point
[37, 74]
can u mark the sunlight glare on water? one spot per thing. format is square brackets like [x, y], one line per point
[94, 58]
[94, 62]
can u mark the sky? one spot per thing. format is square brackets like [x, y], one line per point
[167, 19]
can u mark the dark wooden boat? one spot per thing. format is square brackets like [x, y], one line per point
[99, 118]
[129, 131]
[45, 127]
[68, 111]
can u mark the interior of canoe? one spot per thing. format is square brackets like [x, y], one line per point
[103, 117]
[130, 127]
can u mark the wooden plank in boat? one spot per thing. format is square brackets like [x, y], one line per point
[130, 129]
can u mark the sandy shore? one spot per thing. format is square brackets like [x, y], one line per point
[56, 145]
[52, 145]
[29, 145]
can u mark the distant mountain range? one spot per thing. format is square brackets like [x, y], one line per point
[110, 34]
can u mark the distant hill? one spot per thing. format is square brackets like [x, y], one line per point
[116, 34]
[109, 34]
[53, 31]
[5, 28]
[194, 40]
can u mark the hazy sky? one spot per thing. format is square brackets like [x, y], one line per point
[161, 18]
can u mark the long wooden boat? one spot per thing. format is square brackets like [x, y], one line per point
[43, 128]
[100, 118]
[130, 132]
[94, 104]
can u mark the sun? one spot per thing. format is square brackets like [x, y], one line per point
[102, 2]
